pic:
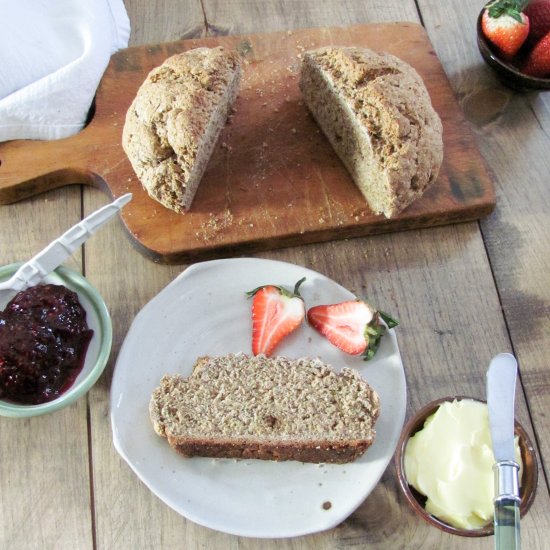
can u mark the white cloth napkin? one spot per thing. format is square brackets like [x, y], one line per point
[52, 56]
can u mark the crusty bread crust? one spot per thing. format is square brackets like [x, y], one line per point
[173, 123]
[314, 451]
[238, 406]
[376, 112]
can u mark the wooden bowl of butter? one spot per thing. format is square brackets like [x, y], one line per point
[444, 462]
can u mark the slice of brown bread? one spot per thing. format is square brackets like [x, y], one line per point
[175, 119]
[377, 114]
[240, 406]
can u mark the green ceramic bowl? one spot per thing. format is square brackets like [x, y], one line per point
[99, 348]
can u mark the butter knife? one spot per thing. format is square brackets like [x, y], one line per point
[34, 270]
[501, 384]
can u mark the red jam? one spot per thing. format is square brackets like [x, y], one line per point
[43, 342]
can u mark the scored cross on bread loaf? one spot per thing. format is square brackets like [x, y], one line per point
[240, 406]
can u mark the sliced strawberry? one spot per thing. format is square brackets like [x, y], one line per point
[504, 24]
[276, 312]
[353, 326]
[538, 60]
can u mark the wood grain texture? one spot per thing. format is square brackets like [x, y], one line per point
[449, 287]
[513, 132]
[44, 475]
[273, 179]
[124, 509]
[419, 275]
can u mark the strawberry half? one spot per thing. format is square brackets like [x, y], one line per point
[504, 24]
[353, 326]
[538, 60]
[276, 312]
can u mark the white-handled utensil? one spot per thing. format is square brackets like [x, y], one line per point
[501, 385]
[33, 271]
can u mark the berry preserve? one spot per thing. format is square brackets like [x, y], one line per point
[43, 341]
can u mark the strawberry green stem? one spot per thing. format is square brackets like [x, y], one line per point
[374, 332]
[297, 286]
[513, 8]
[390, 321]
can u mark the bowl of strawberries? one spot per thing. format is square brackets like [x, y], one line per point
[513, 37]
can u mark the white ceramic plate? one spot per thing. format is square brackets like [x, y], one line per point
[205, 312]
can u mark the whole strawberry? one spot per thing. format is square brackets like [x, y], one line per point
[538, 59]
[505, 25]
[538, 13]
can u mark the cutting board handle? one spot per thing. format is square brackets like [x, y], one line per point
[31, 167]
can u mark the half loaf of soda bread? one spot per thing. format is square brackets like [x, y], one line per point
[173, 123]
[377, 114]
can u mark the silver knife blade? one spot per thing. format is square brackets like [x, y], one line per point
[501, 387]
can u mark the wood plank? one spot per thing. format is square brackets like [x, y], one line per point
[513, 133]
[261, 188]
[241, 17]
[515, 140]
[419, 275]
[127, 515]
[44, 475]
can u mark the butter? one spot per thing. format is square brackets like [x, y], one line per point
[450, 461]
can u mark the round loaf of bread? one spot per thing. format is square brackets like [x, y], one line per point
[173, 123]
[376, 112]
[240, 406]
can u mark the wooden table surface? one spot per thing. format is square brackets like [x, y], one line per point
[462, 294]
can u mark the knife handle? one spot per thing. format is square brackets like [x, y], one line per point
[507, 501]
[507, 530]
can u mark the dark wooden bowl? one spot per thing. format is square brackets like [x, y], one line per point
[507, 72]
[417, 501]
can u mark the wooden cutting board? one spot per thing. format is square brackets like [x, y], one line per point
[273, 179]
